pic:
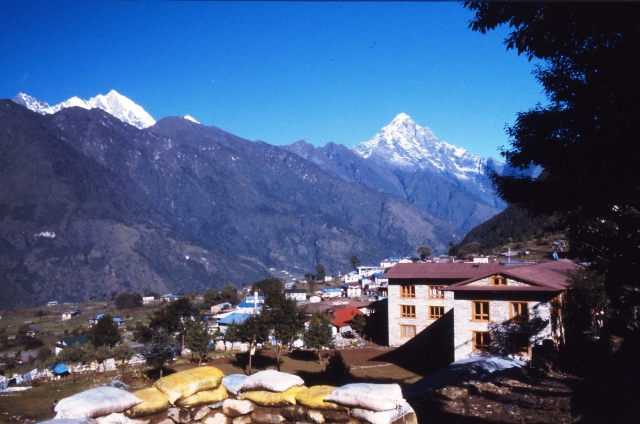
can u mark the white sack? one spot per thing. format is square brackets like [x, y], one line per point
[271, 380]
[233, 383]
[70, 421]
[382, 417]
[96, 402]
[374, 397]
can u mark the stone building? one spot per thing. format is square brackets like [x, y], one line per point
[492, 308]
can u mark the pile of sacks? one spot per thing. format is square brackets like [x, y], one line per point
[204, 395]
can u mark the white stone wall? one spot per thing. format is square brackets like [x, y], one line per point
[421, 302]
[499, 312]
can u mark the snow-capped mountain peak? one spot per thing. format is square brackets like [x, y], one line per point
[405, 144]
[114, 103]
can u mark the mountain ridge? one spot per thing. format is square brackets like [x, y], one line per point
[177, 207]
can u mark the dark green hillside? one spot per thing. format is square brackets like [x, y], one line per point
[512, 225]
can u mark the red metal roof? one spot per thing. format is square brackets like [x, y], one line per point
[340, 317]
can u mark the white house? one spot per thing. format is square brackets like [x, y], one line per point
[299, 295]
[367, 271]
[352, 277]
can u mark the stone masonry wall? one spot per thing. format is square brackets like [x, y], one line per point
[421, 302]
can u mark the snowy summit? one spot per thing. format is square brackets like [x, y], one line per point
[405, 144]
[113, 103]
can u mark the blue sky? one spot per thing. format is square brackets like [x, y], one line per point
[275, 71]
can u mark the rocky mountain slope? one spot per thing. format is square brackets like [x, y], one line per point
[90, 205]
[410, 161]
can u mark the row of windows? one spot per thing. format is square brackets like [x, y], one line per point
[409, 311]
[518, 311]
[518, 343]
[409, 292]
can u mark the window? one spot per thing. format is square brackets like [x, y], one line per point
[407, 311]
[480, 311]
[407, 331]
[408, 291]
[481, 341]
[435, 292]
[498, 280]
[436, 312]
[519, 311]
[519, 344]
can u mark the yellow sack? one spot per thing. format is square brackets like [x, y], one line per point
[313, 397]
[265, 398]
[153, 401]
[204, 397]
[185, 383]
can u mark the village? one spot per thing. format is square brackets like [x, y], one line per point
[420, 322]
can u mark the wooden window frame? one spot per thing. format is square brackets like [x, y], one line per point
[516, 310]
[438, 293]
[498, 280]
[484, 337]
[481, 316]
[403, 333]
[438, 315]
[407, 311]
[407, 291]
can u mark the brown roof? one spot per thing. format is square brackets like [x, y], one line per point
[544, 276]
[443, 271]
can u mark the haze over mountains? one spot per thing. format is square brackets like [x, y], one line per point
[101, 198]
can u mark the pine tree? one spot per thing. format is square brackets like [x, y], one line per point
[318, 334]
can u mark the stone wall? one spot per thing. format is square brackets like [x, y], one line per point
[421, 303]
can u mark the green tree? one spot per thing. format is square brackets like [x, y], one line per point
[124, 353]
[210, 298]
[253, 330]
[320, 272]
[232, 334]
[318, 333]
[142, 333]
[230, 294]
[586, 296]
[260, 286]
[160, 350]
[589, 69]
[100, 354]
[196, 339]
[355, 262]
[128, 301]
[358, 323]
[424, 252]
[105, 332]
[173, 316]
[44, 353]
[281, 316]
